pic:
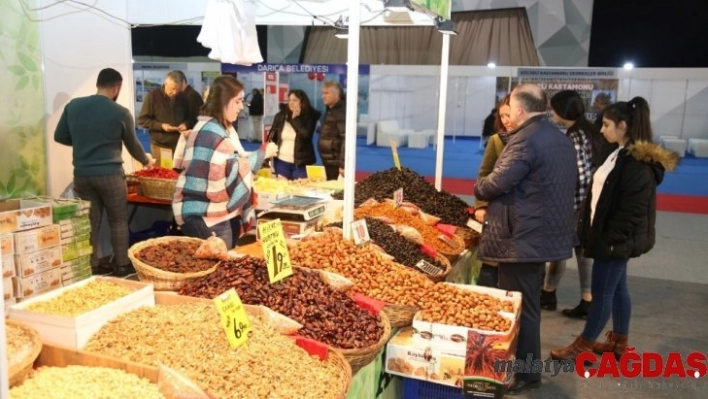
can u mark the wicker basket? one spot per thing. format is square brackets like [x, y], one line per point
[469, 236]
[19, 371]
[400, 315]
[162, 189]
[457, 248]
[448, 268]
[336, 359]
[164, 280]
[358, 358]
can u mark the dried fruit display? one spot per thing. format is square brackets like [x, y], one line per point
[81, 382]
[402, 250]
[374, 276]
[381, 185]
[190, 339]
[327, 315]
[481, 356]
[158, 173]
[81, 299]
[175, 257]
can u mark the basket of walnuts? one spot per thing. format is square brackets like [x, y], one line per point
[170, 262]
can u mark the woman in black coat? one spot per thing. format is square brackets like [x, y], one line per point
[293, 128]
[617, 222]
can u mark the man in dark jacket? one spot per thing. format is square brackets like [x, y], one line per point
[333, 131]
[530, 214]
[255, 112]
[194, 101]
[164, 113]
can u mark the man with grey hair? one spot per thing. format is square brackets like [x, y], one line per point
[530, 214]
[164, 114]
[193, 98]
[333, 131]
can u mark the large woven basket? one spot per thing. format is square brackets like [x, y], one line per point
[336, 359]
[469, 236]
[358, 358]
[457, 248]
[400, 315]
[162, 189]
[20, 370]
[161, 279]
[448, 268]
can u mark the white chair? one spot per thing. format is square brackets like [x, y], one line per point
[388, 130]
[674, 143]
[698, 147]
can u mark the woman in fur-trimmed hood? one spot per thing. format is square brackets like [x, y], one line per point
[618, 222]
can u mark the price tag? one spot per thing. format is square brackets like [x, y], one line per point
[360, 231]
[265, 172]
[394, 150]
[234, 319]
[428, 267]
[166, 158]
[398, 197]
[447, 240]
[316, 173]
[275, 250]
[475, 225]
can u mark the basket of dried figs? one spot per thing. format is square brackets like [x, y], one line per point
[23, 348]
[170, 262]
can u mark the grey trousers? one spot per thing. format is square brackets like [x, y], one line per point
[107, 193]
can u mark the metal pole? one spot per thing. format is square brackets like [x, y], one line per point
[442, 105]
[352, 100]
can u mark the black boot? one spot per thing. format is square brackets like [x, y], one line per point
[548, 300]
[578, 312]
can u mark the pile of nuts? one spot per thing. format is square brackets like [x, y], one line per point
[431, 236]
[447, 304]
[81, 382]
[404, 251]
[381, 185]
[374, 276]
[326, 315]
[175, 257]
[190, 339]
[80, 300]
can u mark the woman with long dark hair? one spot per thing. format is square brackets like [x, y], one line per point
[617, 222]
[293, 128]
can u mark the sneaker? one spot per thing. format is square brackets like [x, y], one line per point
[123, 271]
[102, 270]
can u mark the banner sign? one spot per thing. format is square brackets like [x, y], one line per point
[336, 69]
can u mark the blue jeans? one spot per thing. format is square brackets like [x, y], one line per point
[228, 231]
[289, 170]
[609, 295]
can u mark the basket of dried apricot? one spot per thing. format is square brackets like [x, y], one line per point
[169, 262]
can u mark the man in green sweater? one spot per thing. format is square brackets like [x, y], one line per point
[96, 128]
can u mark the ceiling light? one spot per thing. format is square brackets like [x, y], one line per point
[628, 66]
[491, 65]
[341, 30]
[445, 26]
[398, 5]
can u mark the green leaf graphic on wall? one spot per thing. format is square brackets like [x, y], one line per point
[23, 157]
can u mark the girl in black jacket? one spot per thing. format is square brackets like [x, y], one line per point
[293, 128]
[617, 222]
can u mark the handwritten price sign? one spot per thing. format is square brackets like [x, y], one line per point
[275, 250]
[234, 319]
[398, 197]
[360, 231]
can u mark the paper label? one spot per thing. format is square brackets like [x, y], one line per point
[166, 158]
[316, 172]
[398, 197]
[234, 319]
[475, 225]
[360, 232]
[275, 250]
[428, 267]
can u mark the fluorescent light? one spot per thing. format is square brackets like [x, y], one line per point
[398, 5]
[445, 26]
[341, 30]
[491, 65]
[628, 66]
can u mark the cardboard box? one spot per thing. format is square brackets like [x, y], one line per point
[7, 291]
[428, 363]
[8, 266]
[70, 275]
[36, 239]
[18, 215]
[454, 338]
[7, 244]
[38, 261]
[36, 284]
[74, 332]
[75, 249]
[9, 302]
[291, 228]
[81, 262]
[75, 227]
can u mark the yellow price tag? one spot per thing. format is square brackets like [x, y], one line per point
[275, 250]
[265, 172]
[234, 319]
[166, 158]
[316, 172]
[394, 150]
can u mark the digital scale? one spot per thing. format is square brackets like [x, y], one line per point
[298, 214]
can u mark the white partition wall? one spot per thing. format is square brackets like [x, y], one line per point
[695, 121]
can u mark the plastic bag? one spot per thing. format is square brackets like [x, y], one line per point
[174, 385]
[429, 219]
[381, 252]
[409, 233]
[369, 202]
[212, 248]
[336, 281]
